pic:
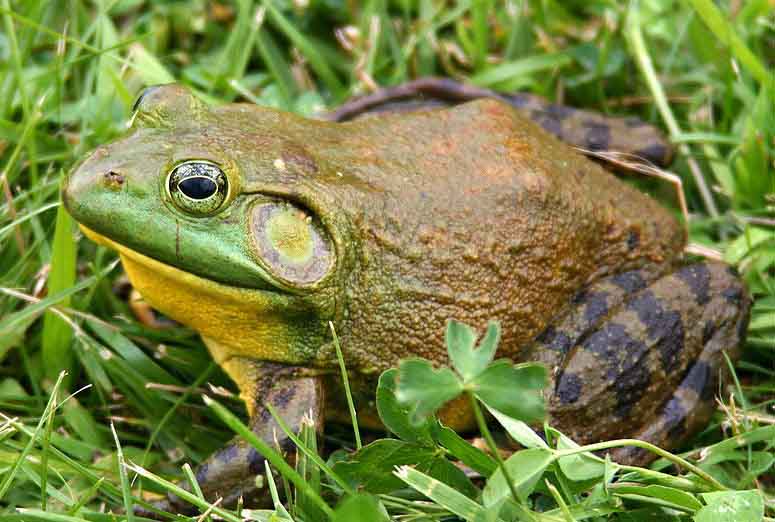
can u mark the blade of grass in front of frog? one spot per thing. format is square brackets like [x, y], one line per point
[129, 510]
[346, 382]
[738, 390]
[314, 457]
[280, 510]
[268, 452]
[451, 499]
[44, 449]
[197, 490]
[46, 516]
[560, 501]
[308, 469]
[187, 496]
[14, 469]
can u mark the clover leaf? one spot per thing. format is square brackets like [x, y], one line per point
[514, 390]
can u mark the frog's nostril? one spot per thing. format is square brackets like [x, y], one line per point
[114, 178]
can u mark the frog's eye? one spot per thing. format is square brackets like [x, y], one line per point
[291, 244]
[198, 188]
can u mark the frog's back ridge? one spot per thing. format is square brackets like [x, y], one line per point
[477, 213]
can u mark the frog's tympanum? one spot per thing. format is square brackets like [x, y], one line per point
[257, 227]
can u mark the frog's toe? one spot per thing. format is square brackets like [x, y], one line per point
[651, 362]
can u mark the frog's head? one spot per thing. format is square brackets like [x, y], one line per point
[223, 221]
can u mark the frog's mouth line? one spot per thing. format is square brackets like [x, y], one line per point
[234, 321]
[170, 272]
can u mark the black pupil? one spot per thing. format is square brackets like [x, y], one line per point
[197, 188]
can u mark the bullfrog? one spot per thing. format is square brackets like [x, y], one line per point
[260, 229]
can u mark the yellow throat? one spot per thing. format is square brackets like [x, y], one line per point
[233, 321]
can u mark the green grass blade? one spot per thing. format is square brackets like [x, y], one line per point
[725, 32]
[129, 510]
[268, 452]
[189, 497]
[444, 495]
[57, 335]
[307, 48]
[348, 393]
[50, 406]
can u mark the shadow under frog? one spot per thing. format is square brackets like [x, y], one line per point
[257, 227]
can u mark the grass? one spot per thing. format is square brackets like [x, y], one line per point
[69, 71]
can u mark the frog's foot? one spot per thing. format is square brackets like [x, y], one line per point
[230, 473]
[643, 359]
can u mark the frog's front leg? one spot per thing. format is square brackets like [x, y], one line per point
[230, 473]
[641, 355]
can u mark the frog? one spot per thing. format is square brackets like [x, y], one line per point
[266, 231]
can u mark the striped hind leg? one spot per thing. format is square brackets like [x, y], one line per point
[639, 355]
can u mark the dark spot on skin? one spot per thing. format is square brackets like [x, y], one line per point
[662, 325]
[580, 297]
[674, 416]
[742, 326]
[201, 473]
[707, 332]
[677, 432]
[655, 152]
[630, 282]
[555, 340]
[626, 366]
[598, 136]
[611, 341]
[262, 417]
[633, 240]
[698, 378]
[227, 454]
[551, 125]
[114, 178]
[597, 307]
[733, 271]
[298, 158]
[568, 388]
[517, 100]
[631, 385]
[670, 331]
[143, 95]
[634, 122]
[733, 294]
[282, 397]
[632, 455]
[697, 278]
[559, 111]
[255, 461]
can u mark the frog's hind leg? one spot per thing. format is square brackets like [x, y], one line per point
[720, 330]
[642, 355]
